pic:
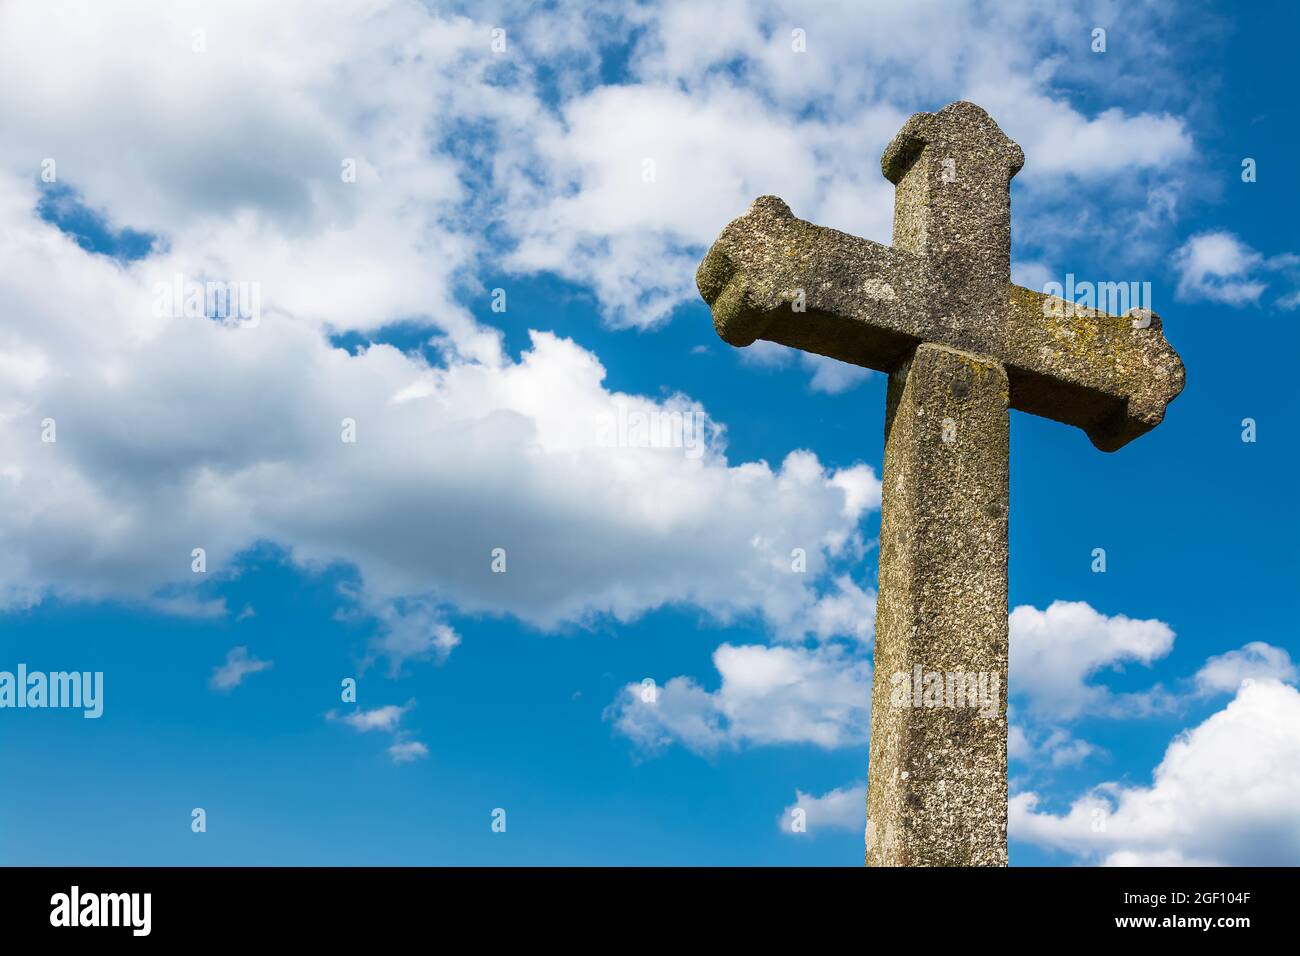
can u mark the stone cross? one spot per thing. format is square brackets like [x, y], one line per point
[962, 345]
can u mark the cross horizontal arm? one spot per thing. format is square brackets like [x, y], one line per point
[775, 277]
[1112, 376]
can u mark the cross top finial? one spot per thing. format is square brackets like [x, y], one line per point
[959, 130]
[952, 172]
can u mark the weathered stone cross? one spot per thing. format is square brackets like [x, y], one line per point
[962, 345]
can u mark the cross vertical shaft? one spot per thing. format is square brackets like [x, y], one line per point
[938, 784]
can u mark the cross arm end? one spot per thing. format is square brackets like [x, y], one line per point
[741, 307]
[773, 276]
[1113, 376]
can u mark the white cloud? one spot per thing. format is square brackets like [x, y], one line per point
[1046, 746]
[239, 664]
[647, 196]
[681, 710]
[635, 200]
[861, 487]
[1058, 140]
[175, 434]
[768, 695]
[1019, 746]
[235, 154]
[413, 631]
[635, 181]
[384, 718]
[1055, 651]
[407, 751]
[1254, 661]
[1219, 267]
[179, 433]
[1224, 794]
[847, 611]
[844, 808]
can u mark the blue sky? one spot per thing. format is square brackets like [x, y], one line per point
[524, 170]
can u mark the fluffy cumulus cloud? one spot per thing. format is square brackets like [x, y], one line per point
[1058, 658]
[365, 163]
[1257, 660]
[1219, 267]
[1055, 652]
[225, 130]
[233, 435]
[767, 695]
[1224, 794]
[230, 135]
[728, 100]
[845, 610]
[844, 808]
[359, 163]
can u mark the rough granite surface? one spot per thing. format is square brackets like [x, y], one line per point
[937, 791]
